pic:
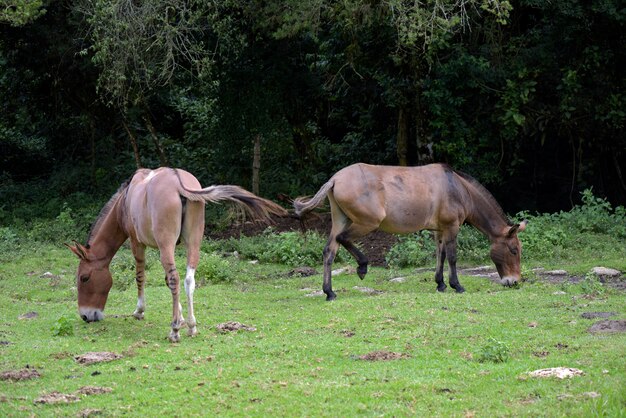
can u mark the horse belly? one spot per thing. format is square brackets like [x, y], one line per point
[405, 220]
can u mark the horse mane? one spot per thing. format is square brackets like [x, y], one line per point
[105, 211]
[485, 194]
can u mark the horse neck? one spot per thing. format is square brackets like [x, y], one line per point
[485, 215]
[110, 235]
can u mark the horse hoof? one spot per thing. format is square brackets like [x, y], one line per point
[138, 315]
[361, 271]
[441, 289]
[192, 332]
[459, 289]
[331, 297]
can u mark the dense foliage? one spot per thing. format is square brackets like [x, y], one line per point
[528, 96]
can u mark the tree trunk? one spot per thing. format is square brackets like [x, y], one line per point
[133, 142]
[162, 157]
[424, 149]
[402, 143]
[256, 164]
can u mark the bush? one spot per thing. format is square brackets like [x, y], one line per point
[213, 268]
[494, 351]
[63, 326]
[415, 250]
[290, 248]
[591, 227]
[419, 249]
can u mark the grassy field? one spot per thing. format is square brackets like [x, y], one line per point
[458, 355]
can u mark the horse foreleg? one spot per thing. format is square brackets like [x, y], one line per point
[451, 255]
[441, 258]
[140, 277]
[190, 286]
[330, 250]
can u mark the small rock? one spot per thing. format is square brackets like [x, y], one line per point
[559, 292]
[558, 372]
[48, 275]
[367, 290]
[556, 273]
[315, 293]
[605, 272]
[398, 280]
[346, 270]
[253, 262]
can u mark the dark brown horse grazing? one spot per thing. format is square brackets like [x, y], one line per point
[155, 208]
[365, 197]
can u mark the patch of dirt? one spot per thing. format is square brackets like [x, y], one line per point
[375, 245]
[24, 374]
[89, 412]
[96, 357]
[57, 397]
[608, 327]
[231, 326]
[594, 315]
[302, 272]
[93, 390]
[383, 356]
[28, 315]
[558, 372]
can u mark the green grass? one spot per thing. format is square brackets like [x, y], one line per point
[303, 360]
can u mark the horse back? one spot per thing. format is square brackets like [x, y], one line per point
[154, 208]
[401, 199]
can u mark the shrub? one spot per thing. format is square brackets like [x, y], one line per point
[494, 351]
[290, 248]
[63, 326]
[213, 268]
[419, 249]
[415, 250]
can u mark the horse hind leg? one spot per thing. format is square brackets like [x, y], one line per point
[172, 279]
[330, 251]
[140, 278]
[345, 238]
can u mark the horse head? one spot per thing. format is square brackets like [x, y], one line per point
[506, 253]
[93, 281]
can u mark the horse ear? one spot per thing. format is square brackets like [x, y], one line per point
[522, 225]
[78, 249]
[517, 228]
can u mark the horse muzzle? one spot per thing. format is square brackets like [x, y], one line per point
[509, 281]
[91, 314]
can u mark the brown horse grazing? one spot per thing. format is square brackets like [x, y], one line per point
[155, 208]
[434, 197]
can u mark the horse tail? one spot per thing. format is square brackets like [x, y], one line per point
[304, 205]
[255, 206]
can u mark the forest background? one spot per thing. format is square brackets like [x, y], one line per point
[527, 96]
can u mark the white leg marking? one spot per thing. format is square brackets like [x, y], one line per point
[190, 286]
[141, 307]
